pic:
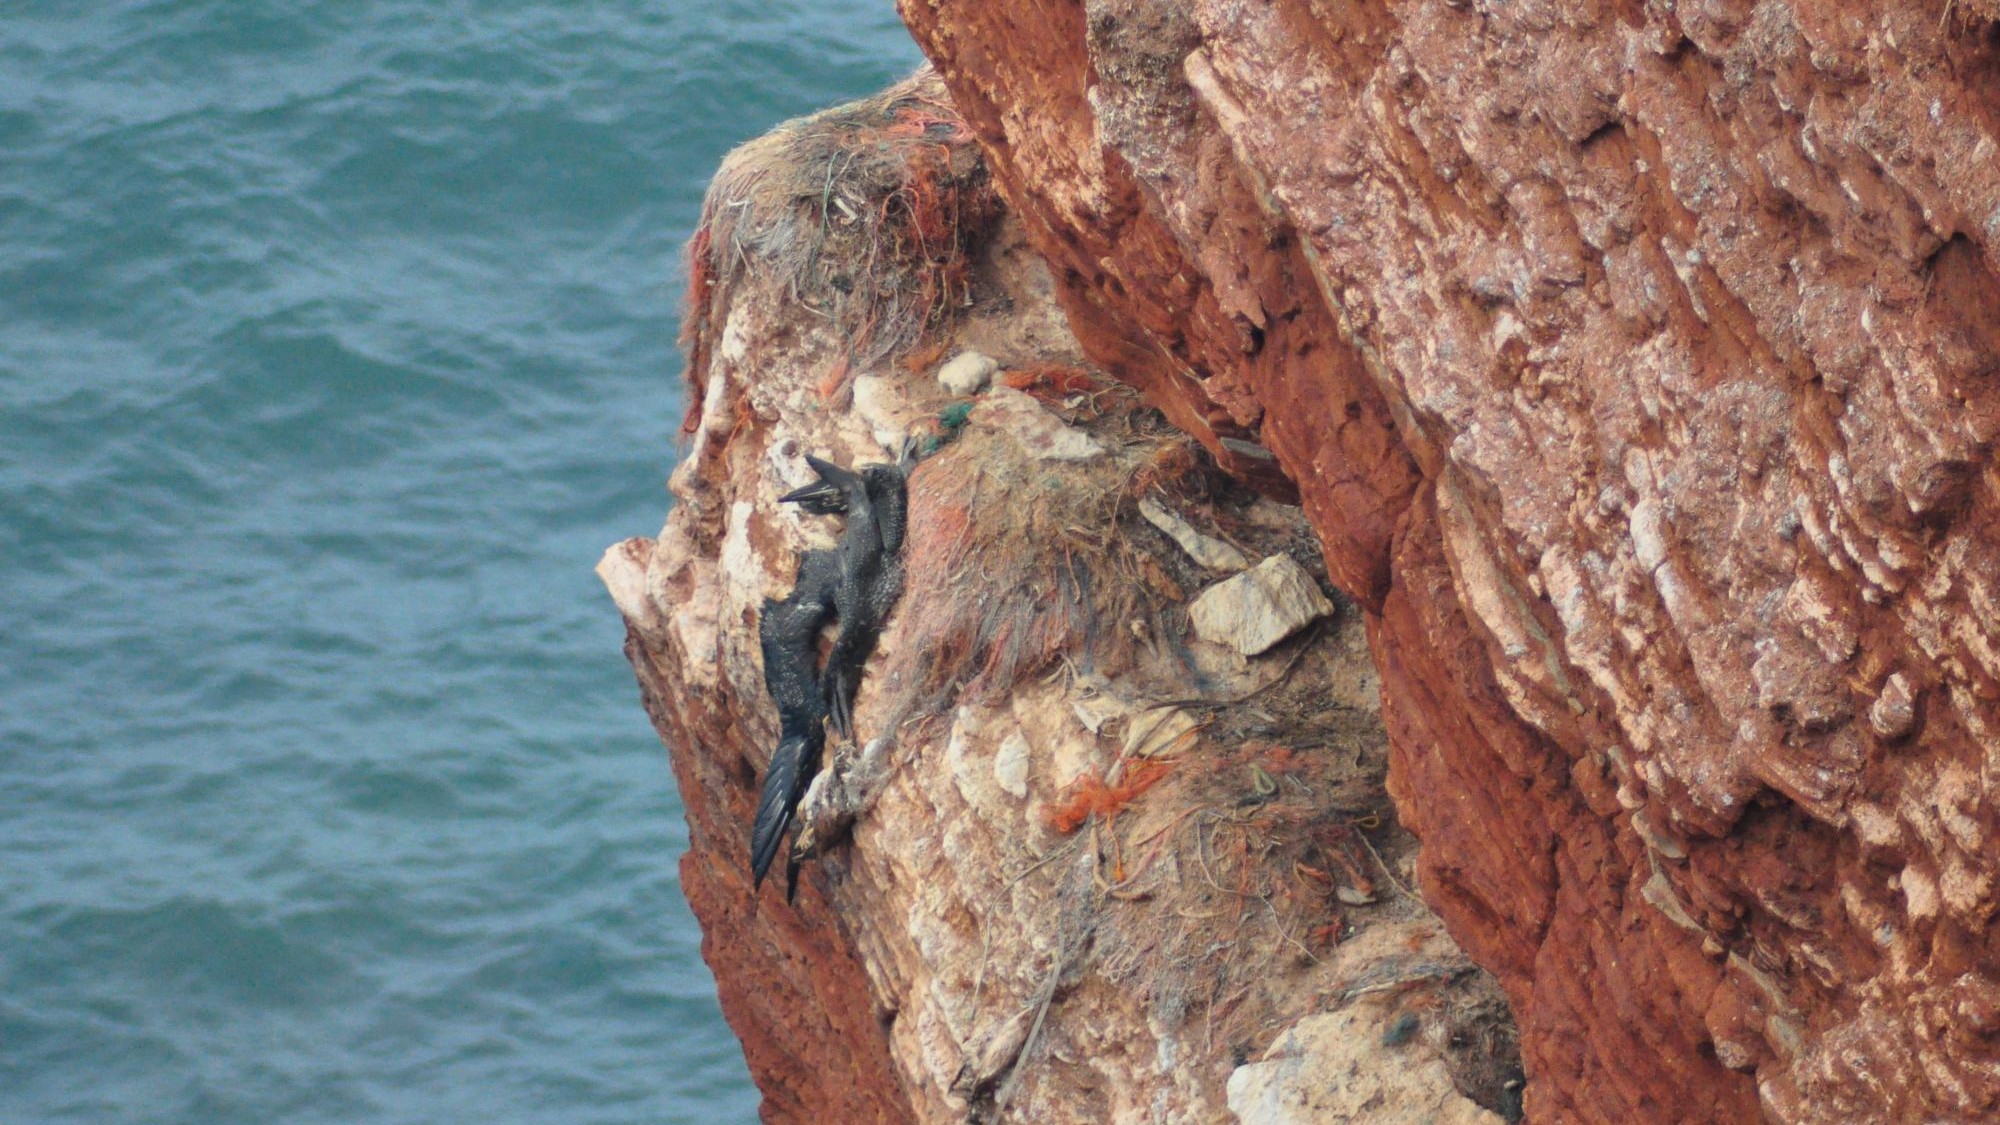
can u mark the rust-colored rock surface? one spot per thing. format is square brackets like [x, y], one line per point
[1084, 866]
[1638, 366]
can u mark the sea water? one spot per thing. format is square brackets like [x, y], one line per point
[336, 342]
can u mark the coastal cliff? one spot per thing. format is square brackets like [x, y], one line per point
[1635, 370]
[1114, 842]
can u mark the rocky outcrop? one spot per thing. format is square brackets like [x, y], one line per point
[1082, 865]
[1638, 367]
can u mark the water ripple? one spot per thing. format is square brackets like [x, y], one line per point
[335, 344]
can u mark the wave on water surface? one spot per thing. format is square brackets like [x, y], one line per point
[335, 344]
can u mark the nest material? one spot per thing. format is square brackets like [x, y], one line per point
[868, 212]
[1219, 873]
[1017, 565]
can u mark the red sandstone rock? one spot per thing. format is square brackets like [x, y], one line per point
[1086, 867]
[1638, 366]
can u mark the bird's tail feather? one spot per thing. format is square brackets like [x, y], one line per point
[792, 767]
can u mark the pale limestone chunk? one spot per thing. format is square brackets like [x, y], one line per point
[967, 373]
[1205, 550]
[1259, 607]
[1010, 765]
[1039, 430]
[878, 405]
[623, 571]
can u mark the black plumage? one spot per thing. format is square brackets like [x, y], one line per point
[789, 636]
[871, 579]
[858, 583]
[822, 497]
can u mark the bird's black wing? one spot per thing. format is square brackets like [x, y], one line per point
[789, 635]
[871, 573]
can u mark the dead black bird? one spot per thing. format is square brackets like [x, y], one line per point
[789, 635]
[857, 582]
[876, 501]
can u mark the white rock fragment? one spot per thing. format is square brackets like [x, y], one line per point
[967, 373]
[735, 334]
[1010, 765]
[875, 403]
[623, 571]
[1259, 607]
[1205, 550]
[739, 556]
[1039, 430]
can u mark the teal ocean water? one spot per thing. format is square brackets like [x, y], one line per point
[335, 344]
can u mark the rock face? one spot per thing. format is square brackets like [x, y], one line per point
[1260, 607]
[1638, 367]
[1327, 1069]
[1083, 866]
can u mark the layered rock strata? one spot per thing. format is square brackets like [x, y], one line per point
[1638, 366]
[1083, 865]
